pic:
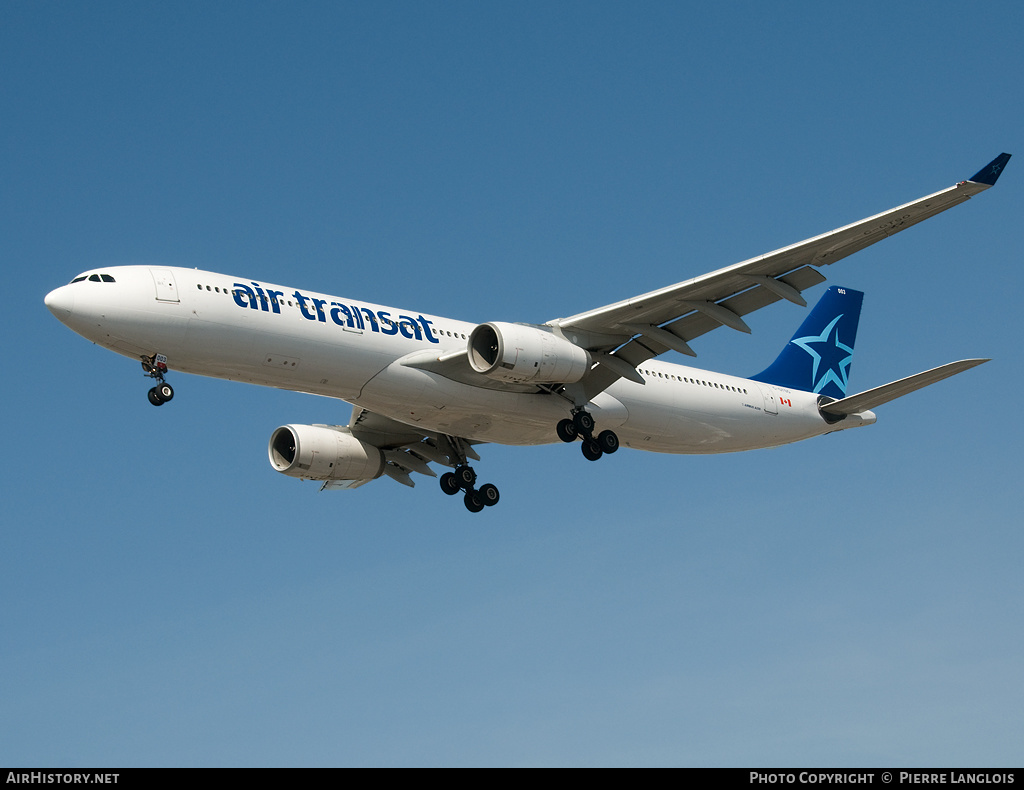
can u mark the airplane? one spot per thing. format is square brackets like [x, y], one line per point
[427, 389]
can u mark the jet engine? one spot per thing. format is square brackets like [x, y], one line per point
[319, 452]
[517, 353]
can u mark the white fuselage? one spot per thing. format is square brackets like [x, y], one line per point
[232, 328]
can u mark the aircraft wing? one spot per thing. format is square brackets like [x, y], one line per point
[635, 330]
[405, 448]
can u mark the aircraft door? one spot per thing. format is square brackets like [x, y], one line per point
[166, 289]
[771, 403]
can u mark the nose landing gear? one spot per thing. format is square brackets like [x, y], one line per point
[156, 368]
[581, 426]
[160, 394]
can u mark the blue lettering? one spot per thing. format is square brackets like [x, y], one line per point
[263, 298]
[373, 319]
[302, 306]
[352, 316]
[336, 312]
[385, 320]
[408, 325]
[243, 296]
[426, 330]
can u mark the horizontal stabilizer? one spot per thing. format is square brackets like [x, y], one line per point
[897, 389]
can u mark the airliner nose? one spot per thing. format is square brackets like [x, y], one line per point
[60, 301]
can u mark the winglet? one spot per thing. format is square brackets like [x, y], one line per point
[990, 172]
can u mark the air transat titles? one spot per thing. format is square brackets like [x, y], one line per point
[345, 315]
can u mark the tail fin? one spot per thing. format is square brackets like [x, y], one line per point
[819, 356]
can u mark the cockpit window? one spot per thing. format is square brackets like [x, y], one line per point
[94, 278]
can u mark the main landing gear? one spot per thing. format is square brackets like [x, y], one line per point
[581, 426]
[464, 479]
[156, 368]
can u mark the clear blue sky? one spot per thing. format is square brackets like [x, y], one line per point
[170, 600]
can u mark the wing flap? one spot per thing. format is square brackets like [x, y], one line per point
[647, 346]
[342, 485]
[743, 288]
[406, 449]
[670, 303]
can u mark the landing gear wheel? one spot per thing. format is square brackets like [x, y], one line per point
[591, 450]
[584, 422]
[156, 367]
[466, 477]
[608, 442]
[488, 494]
[566, 430]
[449, 484]
[474, 504]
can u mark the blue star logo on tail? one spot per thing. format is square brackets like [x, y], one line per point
[832, 357]
[818, 359]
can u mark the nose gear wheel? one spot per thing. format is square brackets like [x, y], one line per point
[156, 368]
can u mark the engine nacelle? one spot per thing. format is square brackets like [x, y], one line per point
[512, 352]
[316, 452]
